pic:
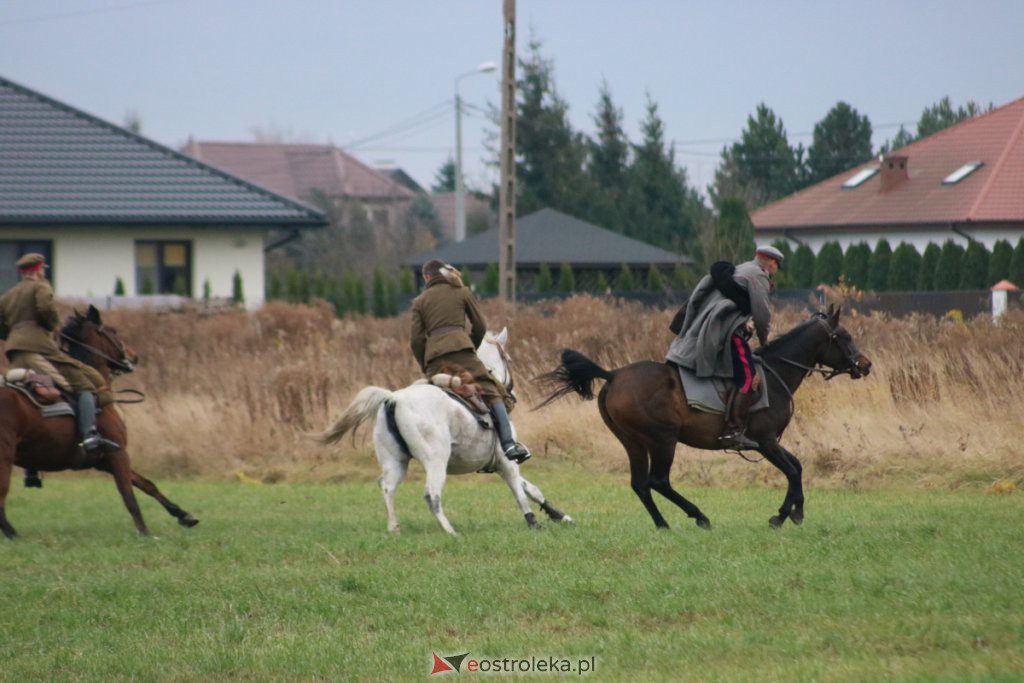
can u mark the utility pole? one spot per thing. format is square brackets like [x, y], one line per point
[507, 191]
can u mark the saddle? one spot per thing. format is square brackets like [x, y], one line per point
[39, 389]
[708, 394]
[459, 386]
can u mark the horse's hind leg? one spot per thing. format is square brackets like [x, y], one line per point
[6, 465]
[393, 471]
[149, 488]
[537, 496]
[662, 456]
[509, 471]
[435, 471]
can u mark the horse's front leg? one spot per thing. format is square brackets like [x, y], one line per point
[119, 466]
[509, 471]
[6, 467]
[786, 462]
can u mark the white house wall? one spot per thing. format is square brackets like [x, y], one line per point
[88, 261]
[920, 239]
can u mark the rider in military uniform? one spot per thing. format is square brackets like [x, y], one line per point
[439, 337]
[712, 339]
[28, 318]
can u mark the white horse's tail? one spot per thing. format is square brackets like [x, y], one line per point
[362, 408]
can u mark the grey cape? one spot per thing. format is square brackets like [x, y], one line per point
[711, 319]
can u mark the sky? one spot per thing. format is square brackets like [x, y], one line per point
[378, 77]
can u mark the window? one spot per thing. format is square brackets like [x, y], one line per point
[163, 268]
[857, 179]
[962, 172]
[12, 250]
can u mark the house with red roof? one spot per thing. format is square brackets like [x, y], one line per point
[302, 171]
[963, 183]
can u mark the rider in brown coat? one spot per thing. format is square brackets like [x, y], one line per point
[28, 318]
[439, 337]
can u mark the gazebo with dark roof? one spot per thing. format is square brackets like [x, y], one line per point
[552, 237]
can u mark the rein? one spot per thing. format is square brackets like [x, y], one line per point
[116, 363]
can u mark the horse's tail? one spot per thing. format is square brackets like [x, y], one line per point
[362, 408]
[576, 374]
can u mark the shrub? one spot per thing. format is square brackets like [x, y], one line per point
[802, 273]
[237, 293]
[566, 279]
[544, 279]
[625, 282]
[999, 262]
[974, 267]
[118, 287]
[856, 264]
[947, 270]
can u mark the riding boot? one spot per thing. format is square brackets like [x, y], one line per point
[92, 441]
[32, 479]
[513, 451]
[736, 423]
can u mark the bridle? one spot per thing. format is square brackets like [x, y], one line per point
[117, 365]
[828, 373]
[506, 362]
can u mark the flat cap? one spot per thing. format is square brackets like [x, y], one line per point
[771, 252]
[30, 260]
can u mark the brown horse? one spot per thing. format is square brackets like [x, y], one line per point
[645, 406]
[50, 444]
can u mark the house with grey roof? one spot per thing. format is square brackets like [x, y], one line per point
[553, 238]
[106, 205]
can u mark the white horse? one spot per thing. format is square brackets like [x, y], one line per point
[421, 421]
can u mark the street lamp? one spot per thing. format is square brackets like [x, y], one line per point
[460, 189]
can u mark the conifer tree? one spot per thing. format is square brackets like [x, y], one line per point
[802, 272]
[1017, 264]
[929, 262]
[947, 270]
[625, 282]
[974, 268]
[856, 265]
[878, 266]
[828, 265]
[904, 270]
[999, 263]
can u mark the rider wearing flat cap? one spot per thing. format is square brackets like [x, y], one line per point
[439, 337]
[712, 337]
[28, 318]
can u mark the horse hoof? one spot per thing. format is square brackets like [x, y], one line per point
[797, 517]
[568, 521]
[188, 521]
[704, 523]
[775, 522]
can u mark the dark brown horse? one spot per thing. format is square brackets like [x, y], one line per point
[644, 405]
[50, 444]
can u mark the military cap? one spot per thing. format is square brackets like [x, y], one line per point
[30, 261]
[771, 252]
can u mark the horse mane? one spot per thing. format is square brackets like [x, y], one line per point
[72, 326]
[793, 333]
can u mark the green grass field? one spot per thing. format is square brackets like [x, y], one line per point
[294, 581]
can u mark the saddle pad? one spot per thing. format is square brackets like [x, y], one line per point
[707, 394]
[483, 420]
[57, 410]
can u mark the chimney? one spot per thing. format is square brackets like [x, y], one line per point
[893, 172]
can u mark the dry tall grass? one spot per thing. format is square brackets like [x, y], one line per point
[227, 393]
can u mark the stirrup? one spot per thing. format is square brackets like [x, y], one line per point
[518, 453]
[736, 441]
[93, 443]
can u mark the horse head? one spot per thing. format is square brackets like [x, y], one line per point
[87, 339]
[495, 358]
[839, 352]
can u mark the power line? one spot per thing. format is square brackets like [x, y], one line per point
[430, 113]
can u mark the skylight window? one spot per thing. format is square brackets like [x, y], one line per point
[857, 179]
[962, 172]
